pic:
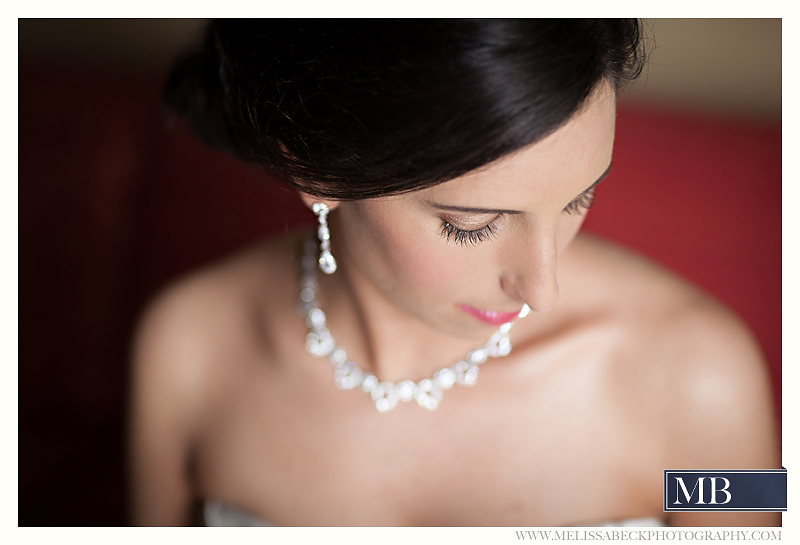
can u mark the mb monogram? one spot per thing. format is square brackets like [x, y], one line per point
[725, 490]
[699, 488]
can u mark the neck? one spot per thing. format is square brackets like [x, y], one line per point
[379, 335]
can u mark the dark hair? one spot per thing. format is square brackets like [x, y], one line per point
[353, 109]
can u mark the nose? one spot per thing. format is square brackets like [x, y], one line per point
[530, 276]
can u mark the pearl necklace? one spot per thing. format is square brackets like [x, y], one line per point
[347, 375]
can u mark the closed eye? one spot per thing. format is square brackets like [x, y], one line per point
[468, 236]
[582, 202]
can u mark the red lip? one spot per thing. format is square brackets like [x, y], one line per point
[490, 316]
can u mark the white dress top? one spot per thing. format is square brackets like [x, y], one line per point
[220, 514]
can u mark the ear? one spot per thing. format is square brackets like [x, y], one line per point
[309, 200]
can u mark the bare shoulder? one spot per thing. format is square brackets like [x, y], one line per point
[694, 359]
[688, 377]
[722, 410]
[206, 319]
[190, 353]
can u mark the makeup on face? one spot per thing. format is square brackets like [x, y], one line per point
[463, 236]
[466, 254]
[491, 317]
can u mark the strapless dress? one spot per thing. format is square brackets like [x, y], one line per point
[220, 514]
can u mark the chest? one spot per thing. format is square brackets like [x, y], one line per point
[480, 459]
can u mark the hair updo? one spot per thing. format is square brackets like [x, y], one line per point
[354, 109]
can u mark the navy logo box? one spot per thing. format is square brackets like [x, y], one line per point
[725, 490]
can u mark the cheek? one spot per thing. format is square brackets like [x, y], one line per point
[423, 261]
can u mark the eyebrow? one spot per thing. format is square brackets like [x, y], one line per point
[475, 210]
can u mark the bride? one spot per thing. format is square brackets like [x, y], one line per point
[444, 348]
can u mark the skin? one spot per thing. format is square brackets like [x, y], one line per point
[622, 370]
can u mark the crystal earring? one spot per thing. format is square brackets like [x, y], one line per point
[327, 263]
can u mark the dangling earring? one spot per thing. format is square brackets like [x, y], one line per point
[327, 263]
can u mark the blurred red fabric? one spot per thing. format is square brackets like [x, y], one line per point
[114, 203]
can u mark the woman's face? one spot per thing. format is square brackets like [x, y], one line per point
[462, 254]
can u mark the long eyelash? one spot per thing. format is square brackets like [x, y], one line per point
[582, 203]
[465, 237]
